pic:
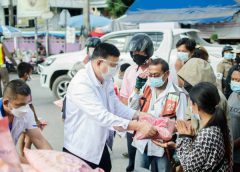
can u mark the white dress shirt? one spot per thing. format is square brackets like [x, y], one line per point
[92, 109]
[156, 106]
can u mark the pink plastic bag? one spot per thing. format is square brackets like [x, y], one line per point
[54, 161]
[27, 168]
[164, 125]
[8, 153]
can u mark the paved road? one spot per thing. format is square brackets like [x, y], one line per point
[43, 102]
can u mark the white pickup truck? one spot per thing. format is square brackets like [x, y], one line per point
[54, 70]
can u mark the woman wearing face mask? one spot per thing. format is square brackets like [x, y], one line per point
[185, 49]
[210, 149]
[224, 66]
[156, 98]
[234, 103]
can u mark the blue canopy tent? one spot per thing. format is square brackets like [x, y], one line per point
[182, 11]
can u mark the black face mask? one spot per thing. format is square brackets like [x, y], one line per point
[139, 59]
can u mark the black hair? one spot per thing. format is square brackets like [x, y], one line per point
[189, 43]
[24, 68]
[124, 67]
[228, 90]
[200, 53]
[104, 50]
[16, 87]
[207, 98]
[163, 63]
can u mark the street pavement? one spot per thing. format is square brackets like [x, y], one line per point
[43, 103]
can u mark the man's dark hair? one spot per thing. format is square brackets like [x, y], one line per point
[189, 43]
[124, 67]
[104, 50]
[16, 87]
[163, 63]
[23, 68]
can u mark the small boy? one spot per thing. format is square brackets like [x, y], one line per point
[24, 71]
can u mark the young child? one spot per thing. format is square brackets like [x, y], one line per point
[24, 71]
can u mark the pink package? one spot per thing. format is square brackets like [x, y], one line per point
[55, 161]
[8, 152]
[164, 125]
[27, 168]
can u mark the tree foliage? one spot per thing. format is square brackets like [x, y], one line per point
[117, 8]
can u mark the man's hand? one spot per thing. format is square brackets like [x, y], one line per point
[138, 114]
[148, 130]
[184, 127]
[170, 144]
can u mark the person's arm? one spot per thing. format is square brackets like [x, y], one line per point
[219, 75]
[182, 106]
[85, 98]
[9, 55]
[34, 112]
[37, 139]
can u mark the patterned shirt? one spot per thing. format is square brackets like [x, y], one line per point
[203, 153]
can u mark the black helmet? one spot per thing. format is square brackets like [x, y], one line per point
[92, 42]
[226, 48]
[141, 42]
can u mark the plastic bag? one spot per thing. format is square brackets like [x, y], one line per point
[164, 125]
[8, 153]
[55, 161]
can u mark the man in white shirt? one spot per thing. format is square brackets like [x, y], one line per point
[92, 109]
[15, 106]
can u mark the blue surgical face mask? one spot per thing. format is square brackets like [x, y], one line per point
[183, 56]
[228, 56]
[235, 86]
[194, 115]
[156, 82]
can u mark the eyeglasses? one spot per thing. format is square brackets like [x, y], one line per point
[111, 63]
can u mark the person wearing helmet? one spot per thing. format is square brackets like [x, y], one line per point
[141, 49]
[91, 44]
[224, 66]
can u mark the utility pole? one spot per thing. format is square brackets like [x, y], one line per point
[86, 18]
[10, 12]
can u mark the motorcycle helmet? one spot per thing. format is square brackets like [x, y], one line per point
[141, 42]
[92, 42]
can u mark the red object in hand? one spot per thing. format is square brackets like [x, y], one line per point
[164, 125]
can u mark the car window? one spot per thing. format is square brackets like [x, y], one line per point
[118, 41]
[156, 37]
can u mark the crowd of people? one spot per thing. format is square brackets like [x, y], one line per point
[146, 98]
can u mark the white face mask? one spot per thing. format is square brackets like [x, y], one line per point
[21, 111]
[110, 73]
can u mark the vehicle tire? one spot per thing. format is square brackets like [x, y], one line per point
[60, 86]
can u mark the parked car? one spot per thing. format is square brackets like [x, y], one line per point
[54, 71]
